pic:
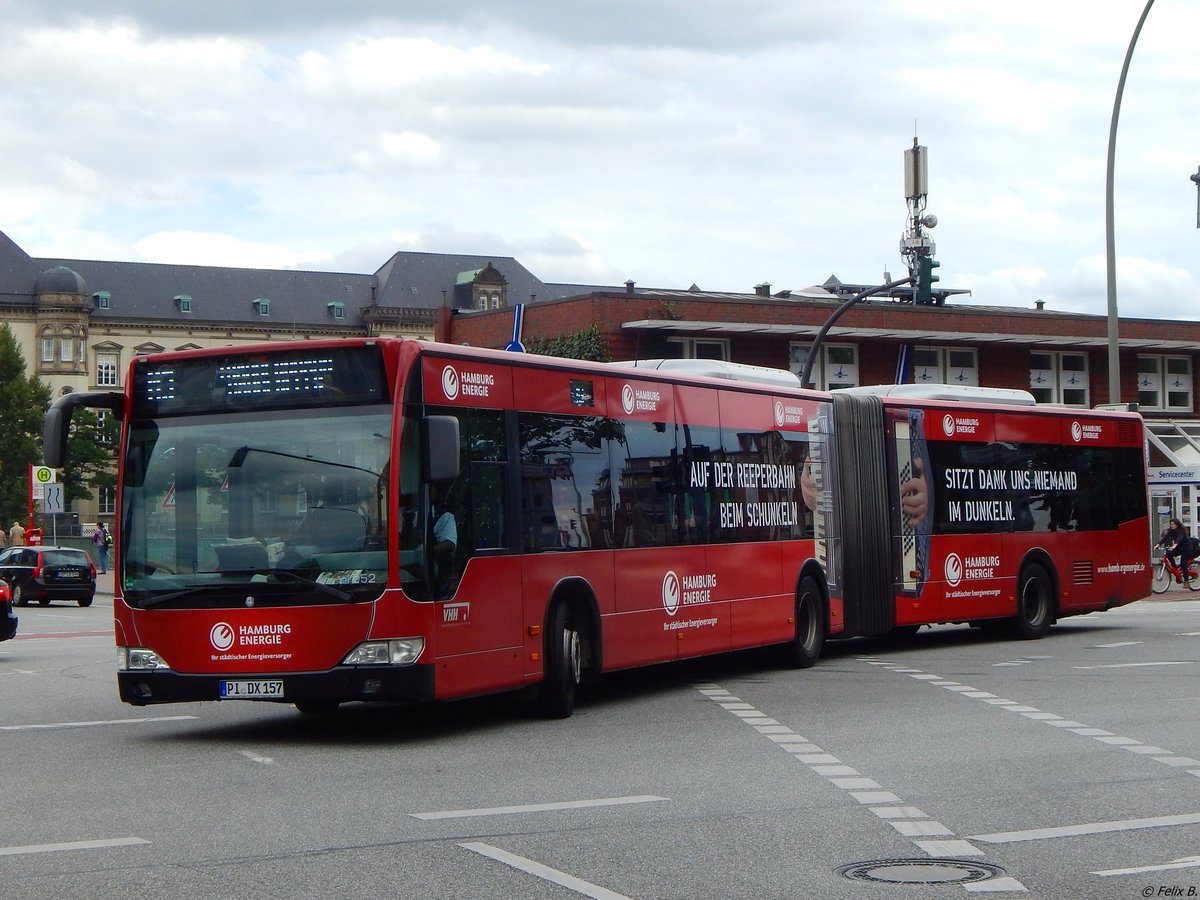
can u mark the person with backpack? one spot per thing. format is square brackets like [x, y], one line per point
[102, 540]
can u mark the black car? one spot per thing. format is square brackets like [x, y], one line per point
[8, 622]
[48, 573]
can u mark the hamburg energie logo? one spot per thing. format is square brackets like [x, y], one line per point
[948, 424]
[221, 636]
[670, 593]
[450, 382]
[954, 569]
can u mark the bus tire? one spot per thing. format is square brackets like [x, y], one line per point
[805, 648]
[1035, 604]
[563, 669]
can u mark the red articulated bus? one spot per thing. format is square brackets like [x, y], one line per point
[389, 519]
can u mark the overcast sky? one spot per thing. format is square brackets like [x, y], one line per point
[672, 142]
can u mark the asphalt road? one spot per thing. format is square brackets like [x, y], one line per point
[1067, 767]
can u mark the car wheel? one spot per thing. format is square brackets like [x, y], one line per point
[85, 601]
[18, 596]
[45, 601]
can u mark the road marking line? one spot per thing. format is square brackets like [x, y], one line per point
[535, 807]
[52, 725]
[254, 757]
[63, 634]
[1117, 644]
[1042, 834]
[907, 820]
[73, 845]
[562, 879]
[1187, 862]
[1004, 883]
[1182, 662]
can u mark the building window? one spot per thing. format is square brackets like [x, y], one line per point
[107, 365]
[102, 299]
[336, 309]
[1059, 378]
[945, 365]
[108, 501]
[184, 302]
[835, 368]
[102, 421]
[263, 305]
[47, 346]
[699, 348]
[1165, 382]
[66, 346]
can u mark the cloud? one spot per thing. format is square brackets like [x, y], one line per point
[207, 249]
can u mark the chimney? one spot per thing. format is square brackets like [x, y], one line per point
[1040, 304]
[763, 290]
[629, 287]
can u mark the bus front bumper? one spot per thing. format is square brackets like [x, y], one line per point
[341, 685]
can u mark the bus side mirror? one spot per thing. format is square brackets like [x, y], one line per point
[58, 421]
[440, 446]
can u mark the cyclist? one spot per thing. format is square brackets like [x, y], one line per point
[1179, 546]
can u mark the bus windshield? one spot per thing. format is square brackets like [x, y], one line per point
[289, 503]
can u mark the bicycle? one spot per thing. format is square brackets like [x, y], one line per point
[1166, 571]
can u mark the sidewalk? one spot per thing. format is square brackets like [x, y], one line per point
[1176, 592]
[104, 583]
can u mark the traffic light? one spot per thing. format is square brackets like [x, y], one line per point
[925, 280]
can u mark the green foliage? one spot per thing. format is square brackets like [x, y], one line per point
[23, 403]
[91, 455]
[586, 344]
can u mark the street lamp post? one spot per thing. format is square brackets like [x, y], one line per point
[1196, 179]
[1114, 356]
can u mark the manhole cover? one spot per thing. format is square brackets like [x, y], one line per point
[920, 871]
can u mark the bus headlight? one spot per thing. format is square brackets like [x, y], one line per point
[138, 658]
[399, 652]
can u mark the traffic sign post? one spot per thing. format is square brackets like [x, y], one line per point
[39, 477]
[52, 504]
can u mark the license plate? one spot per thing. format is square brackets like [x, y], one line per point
[251, 690]
[70, 574]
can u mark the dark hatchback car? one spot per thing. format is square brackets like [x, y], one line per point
[48, 573]
[8, 622]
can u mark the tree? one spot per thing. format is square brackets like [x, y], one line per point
[91, 455]
[23, 403]
[585, 344]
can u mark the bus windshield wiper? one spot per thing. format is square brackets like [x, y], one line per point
[288, 573]
[344, 596]
[160, 599]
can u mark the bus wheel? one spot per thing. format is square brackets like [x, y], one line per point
[1035, 605]
[563, 666]
[805, 648]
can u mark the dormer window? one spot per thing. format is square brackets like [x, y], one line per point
[102, 300]
[262, 305]
[184, 302]
[336, 310]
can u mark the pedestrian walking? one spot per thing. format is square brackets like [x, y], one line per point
[16, 535]
[101, 541]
